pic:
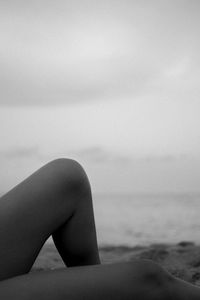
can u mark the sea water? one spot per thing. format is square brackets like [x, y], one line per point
[145, 219]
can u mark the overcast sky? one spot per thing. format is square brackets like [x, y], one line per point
[113, 84]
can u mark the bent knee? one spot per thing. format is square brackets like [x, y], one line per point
[153, 277]
[70, 174]
[154, 273]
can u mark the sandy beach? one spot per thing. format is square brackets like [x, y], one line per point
[181, 260]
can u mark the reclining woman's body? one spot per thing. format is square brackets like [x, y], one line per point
[56, 200]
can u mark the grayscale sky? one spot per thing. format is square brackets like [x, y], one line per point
[113, 84]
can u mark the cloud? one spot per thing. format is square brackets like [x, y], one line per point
[94, 154]
[77, 51]
[166, 158]
[21, 153]
[99, 155]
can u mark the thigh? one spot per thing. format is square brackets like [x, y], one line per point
[89, 282]
[133, 280]
[29, 213]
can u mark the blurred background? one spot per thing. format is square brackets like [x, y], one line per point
[114, 85]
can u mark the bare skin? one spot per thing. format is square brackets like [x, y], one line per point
[56, 200]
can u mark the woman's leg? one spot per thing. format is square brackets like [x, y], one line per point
[55, 200]
[139, 280]
[125, 281]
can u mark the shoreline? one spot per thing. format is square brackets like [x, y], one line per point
[182, 259]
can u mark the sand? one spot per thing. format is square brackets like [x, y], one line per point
[181, 260]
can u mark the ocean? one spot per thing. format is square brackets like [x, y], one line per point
[133, 220]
